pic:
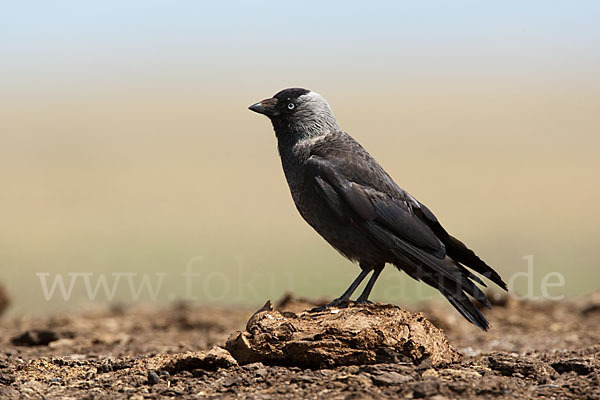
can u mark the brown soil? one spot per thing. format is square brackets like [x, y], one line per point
[533, 350]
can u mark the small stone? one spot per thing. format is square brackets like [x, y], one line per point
[303, 378]
[581, 367]
[211, 360]
[516, 366]
[7, 379]
[153, 378]
[61, 343]
[262, 372]
[390, 378]
[253, 366]
[430, 373]
[230, 381]
[469, 352]
[35, 337]
[427, 388]
[463, 373]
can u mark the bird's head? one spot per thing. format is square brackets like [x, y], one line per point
[298, 112]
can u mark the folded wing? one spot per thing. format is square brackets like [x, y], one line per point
[390, 217]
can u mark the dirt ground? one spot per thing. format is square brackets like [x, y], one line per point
[533, 350]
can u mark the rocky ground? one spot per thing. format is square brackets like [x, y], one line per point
[533, 350]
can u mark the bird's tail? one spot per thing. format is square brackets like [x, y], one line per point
[454, 281]
[457, 250]
[462, 254]
[454, 284]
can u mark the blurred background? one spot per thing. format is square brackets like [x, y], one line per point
[126, 146]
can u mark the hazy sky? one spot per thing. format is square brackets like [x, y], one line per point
[283, 37]
[126, 143]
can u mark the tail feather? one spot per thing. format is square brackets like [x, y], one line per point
[455, 295]
[469, 311]
[446, 275]
[457, 250]
[462, 254]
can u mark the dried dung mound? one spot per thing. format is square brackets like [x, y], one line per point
[354, 335]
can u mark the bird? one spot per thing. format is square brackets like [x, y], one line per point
[343, 193]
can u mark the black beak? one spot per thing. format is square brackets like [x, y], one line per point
[265, 107]
[258, 108]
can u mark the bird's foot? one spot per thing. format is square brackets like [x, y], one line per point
[364, 301]
[335, 303]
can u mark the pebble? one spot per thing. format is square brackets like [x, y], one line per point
[152, 378]
[230, 381]
[262, 372]
[430, 373]
[253, 366]
[390, 378]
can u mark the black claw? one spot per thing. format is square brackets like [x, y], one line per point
[319, 309]
[335, 303]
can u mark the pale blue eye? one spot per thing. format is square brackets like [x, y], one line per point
[291, 106]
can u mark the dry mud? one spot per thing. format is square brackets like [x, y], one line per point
[533, 350]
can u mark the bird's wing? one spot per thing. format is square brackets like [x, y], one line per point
[396, 209]
[351, 199]
[391, 220]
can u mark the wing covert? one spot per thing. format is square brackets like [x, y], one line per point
[359, 201]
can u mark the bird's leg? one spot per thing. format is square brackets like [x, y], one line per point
[364, 296]
[346, 295]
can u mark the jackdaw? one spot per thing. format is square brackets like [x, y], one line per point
[348, 198]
